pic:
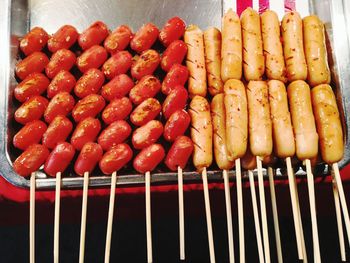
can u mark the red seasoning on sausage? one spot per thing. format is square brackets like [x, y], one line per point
[172, 30]
[33, 85]
[176, 125]
[58, 131]
[146, 111]
[174, 54]
[93, 35]
[63, 59]
[116, 158]
[31, 159]
[147, 134]
[30, 134]
[34, 40]
[118, 40]
[119, 63]
[60, 104]
[117, 132]
[89, 106]
[35, 62]
[176, 100]
[32, 109]
[90, 83]
[86, 131]
[145, 88]
[88, 157]
[118, 109]
[63, 81]
[146, 64]
[64, 38]
[144, 38]
[59, 158]
[94, 57]
[177, 75]
[179, 153]
[148, 159]
[117, 87]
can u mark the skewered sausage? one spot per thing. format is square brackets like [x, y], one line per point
[118, 40]
[58, 131]
[89, 156]
[63, 38]
[32, 109]
[94, 57]
[62, 59]
[176, 100]
[117, 64]
[146, 64]
[60, 104]
[146, 111]
[59, 158]
[86, 131]
[34, 63]
[148, 159]
[145, 88]
[117, 132]
[179, 153]
[172, 30]
[63, 81]
[176, 125]
[117, 88]
[177, 75]
[89, 106]
[118, 109]
[174, 54]
[30, 134]
[34, 40]
[91, 82]
[144, 38]
[147, 134]
[33, 85]
[116, 158]
[93, 35]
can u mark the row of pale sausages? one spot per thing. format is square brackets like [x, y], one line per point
[256, 45]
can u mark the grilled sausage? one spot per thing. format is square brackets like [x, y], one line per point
[176, 125]
[63, 38]
[176, 100]
[146, 64]
[147, 87]
[30, 133]
[33, 85]
[93, 35]
[89, 156]
[32, 109]
[147, 134]
[144, 38]
[58, 131]
[117, 132]
[177, 75]
[146, 111]
[60, 104]
[117, 109]
[34, 40]
[148, 159]
[118, 40]
[90, 83]
[117, 64]
[86, 131]
[94, 57]
[116, 158]
[174, 54]
[63, 81]
[89, 106]
[179, 153]
[62, 59]
[172, 30]
[117, 88]
[34, 63]
[59, 158]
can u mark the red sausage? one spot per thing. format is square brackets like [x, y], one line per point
[147, 87]
[148, 159]
[33, 85]
[145, 112]
[59, 158]
[174, 54]
[30, 134]
[117, 132]
[90, 83]
[89, 156]
[93, 35]
[118, 109]
[173, 30]
[179, 153]
[147, 134]
[146, 64]
[60, 104]
[34, 40]
[177, 75]
[31, 159]
[64, 38]
[86, 131]
[118, 40]
[58, 131]
[32, 109]
[176, 125]
[63, 81]
[89, 106]
[176, 100]
[144, 38]
[116, 158]
[94, 57]
[35, 62]
[117, 88]
[119, 63]
[63, 59]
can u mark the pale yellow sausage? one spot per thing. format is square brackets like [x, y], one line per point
[195, 61]
[282, 130]
[219, 132]
[212, 44]
[271, 34]
[328, 123]
[201, 132]
[315, 51]
[292, 33]
[231, 50]
[235, 101]
[303, 120]
[260, 125]
[253, 57]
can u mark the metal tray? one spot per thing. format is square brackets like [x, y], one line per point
[18, 16]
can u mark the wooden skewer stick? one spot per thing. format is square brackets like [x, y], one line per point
[181, 213]
[240, 211]
[32, 219]
[310, 183]
[57, 218]
[342, 199]
[339, 219]
[208, 215]
[295, 208]
[110, 217]
[229, 216]
[275, 215]
[256, 216]
[83, 217]
[148, 217]
[263, 210]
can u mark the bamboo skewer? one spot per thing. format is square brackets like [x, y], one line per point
[256, 216]
[263, 210]
[32, 219]
[57, 218]
[310, 183]
[208, 215]
[148, 217]
[240, 211]
[229, 216]
[275, 215]
[110, 217]
[83, 217]
[181, 213]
